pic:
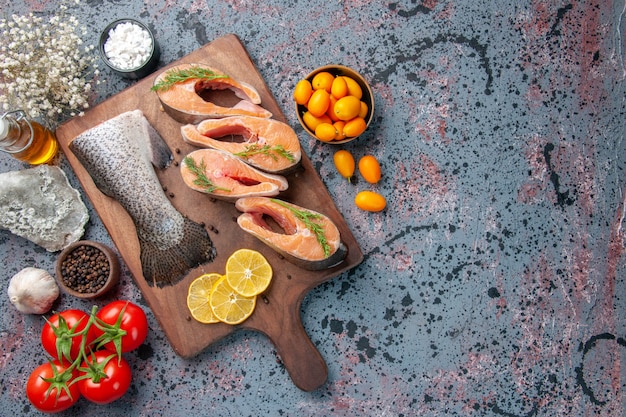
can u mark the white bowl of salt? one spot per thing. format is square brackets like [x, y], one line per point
[129, 48]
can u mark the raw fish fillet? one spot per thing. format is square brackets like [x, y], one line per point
[183, 100]
[226, 177]
[269, 145]
[295, 236]
[119, 155]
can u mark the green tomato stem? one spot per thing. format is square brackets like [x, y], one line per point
[111, 333]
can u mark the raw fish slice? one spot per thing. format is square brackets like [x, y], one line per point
[297, 241]
[118, 154]
[226, 177]
[270, 145]
[182, 100]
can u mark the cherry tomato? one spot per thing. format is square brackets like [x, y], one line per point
[370, 201]
[130, 319]
[369, 169]
[60, 335]
[104, 377]
[47, 387]
[344, 162]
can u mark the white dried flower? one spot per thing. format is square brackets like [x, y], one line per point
[44, 67]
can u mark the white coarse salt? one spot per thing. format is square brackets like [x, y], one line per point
[128, 46]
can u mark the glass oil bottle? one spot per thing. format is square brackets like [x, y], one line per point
[26, 140]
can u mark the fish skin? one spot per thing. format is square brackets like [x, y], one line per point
[256, 131]
[184, 104]
[296, 243]
[119, 154]
[229, 172]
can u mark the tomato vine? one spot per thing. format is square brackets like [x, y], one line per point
[83, 347]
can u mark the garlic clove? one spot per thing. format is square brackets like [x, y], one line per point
[33, 291]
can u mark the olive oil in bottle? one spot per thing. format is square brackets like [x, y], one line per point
[26, 140]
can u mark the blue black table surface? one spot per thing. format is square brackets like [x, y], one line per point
[492, 284]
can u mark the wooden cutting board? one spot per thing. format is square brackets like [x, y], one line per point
[277, 314]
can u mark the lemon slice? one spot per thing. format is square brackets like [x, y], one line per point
[228, 305]
[248, 272]
[198, 296]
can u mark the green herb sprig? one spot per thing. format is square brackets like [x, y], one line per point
[308, 218]
[201, 179]
[181, 75]
[271, 151]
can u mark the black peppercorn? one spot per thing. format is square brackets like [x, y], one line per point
[85, 269]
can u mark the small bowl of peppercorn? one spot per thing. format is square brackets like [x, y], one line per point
[87, 269]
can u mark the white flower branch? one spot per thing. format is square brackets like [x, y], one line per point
[44, 67]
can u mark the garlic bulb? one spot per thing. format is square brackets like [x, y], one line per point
[33, 290]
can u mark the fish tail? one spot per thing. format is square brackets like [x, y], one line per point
[162, 267]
